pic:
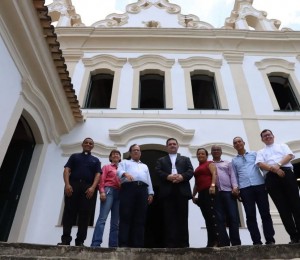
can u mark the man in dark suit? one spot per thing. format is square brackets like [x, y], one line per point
[175, 171]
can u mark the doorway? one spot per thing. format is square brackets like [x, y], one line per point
[13, 173]
[296, 166]
[154, 222]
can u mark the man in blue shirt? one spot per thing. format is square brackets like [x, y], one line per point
[81, 177]
[252, 192]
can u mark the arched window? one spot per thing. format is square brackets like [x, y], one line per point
[204, 92]
[203, 83]
[284, 93]
[151, 82]
[152, 91]
[100, 89]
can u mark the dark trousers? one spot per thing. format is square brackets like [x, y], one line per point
[133, 211]
[77, 206]
[227, 212]
[252, 196]
[175, 215]
[207, 204]
[285, 195]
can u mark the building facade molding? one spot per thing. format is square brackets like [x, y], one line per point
[38, 101]
[234, 57]
[275, 63]
[147, 129]
[227, 149]
[100, 150]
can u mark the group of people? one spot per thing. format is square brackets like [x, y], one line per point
[126, 190]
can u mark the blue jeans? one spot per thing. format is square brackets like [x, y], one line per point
[111, 203]
[257, 195]
[227, 211]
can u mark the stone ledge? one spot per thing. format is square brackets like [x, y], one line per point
[15, 251]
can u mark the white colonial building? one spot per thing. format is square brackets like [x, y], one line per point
[139, 77]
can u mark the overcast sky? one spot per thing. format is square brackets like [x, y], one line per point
[210, 11]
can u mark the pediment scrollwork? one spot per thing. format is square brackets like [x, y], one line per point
[112, 20]
[137, 7]
[193, 22]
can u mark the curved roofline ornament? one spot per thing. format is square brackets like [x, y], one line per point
[193, 21]
[64, 13]
[137, 7]
[245, 17]
[112, 20]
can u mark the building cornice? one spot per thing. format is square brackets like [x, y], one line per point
[187, 40]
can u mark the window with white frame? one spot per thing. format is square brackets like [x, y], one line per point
[204, 91]
[101, 81]
[151, 82]
[284, 93]
[281, 83]
[203, 83]
[152, 91]
[99, 92]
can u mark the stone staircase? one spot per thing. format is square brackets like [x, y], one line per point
[16, 251]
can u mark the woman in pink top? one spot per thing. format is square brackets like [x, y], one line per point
[109, 187]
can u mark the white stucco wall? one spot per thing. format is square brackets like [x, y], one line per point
[10, 87]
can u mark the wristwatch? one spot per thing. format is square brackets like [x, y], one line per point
[213, 185]
[279, 164]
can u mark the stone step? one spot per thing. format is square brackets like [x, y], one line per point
[13, 257]
[16, 251]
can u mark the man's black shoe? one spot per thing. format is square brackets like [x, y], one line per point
[270, 243]
[63, 244]
[294, 241]
[79, 244]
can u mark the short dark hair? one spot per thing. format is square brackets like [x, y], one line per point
[114, 151]
[130, 148]
[265, 130]
[87, 139]
[237, 137]
[201, 148]
[169, 139]
[216, 145]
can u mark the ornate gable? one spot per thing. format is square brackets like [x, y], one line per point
[153, 14]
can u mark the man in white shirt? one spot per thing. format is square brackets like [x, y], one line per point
[135, 194]
[281, 184]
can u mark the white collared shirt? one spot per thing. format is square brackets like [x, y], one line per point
[273, 153]
[173, 158]
[138, 170]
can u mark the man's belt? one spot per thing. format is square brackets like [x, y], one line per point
[136, 183]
